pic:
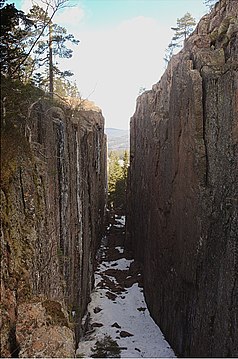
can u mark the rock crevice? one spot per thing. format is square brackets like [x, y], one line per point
[53, 197]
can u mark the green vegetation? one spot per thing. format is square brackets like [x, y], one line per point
[18, 101]
[15, 25]
[118, 152]
[210, 3]
[106, 348]
[25, 50]
[141, 90]
[15, 149]
[30, 42]
[185, 26]
[117, 178]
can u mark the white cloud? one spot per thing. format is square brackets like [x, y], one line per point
[26, 5]
[68, 16]
[71, 15]
[111, 66]
[118, 62]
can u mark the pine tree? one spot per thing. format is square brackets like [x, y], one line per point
[125, 164]
[185, 26]
[51, 45]
[33, 38]
[117, 179]
[114, 175]
[170, 51]
[30, 42]
[210, 3]
[15, 27]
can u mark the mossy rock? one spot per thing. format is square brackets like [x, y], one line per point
[54, 310]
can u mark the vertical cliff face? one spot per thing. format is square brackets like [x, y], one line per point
[183, 221]
[53, 188]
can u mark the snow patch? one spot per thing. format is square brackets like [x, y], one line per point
[126, 313]
[121, 219]
[120, 249]
[121, 264]
[119, 225]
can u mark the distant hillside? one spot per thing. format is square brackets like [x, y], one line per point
[117, 139]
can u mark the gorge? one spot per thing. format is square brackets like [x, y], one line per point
[182, 202]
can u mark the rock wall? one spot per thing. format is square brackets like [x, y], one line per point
[52, 193]
[183, 194]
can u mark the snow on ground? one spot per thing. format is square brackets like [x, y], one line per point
[121, 264]
[121, 220]
[120, 249]
[122, 313]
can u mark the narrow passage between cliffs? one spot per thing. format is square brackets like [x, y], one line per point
[118, 322]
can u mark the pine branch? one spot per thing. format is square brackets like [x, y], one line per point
[46, 23]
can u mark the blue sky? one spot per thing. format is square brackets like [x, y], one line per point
[105, 13]
[121, 49]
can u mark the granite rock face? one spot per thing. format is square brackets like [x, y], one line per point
[52, 193]
[182, 212]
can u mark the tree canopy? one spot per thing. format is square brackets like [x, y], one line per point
[15, 27]
[117, 179]
[185, 26]
[210, 3]
[30, 42]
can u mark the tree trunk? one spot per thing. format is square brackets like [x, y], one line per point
[51, 75]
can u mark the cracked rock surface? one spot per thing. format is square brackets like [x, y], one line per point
[182, 221]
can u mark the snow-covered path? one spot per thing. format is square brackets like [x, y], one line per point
[119, 319]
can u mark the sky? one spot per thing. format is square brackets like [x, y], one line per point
[121, 49]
